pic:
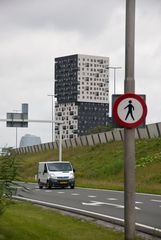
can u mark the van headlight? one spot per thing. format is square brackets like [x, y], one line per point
[71, 175]
[53, 176]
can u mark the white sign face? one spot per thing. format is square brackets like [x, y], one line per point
[130, 110]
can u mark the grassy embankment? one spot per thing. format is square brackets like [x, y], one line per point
[101, 166]
[24, 221]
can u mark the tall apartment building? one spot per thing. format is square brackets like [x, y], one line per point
[82, 91]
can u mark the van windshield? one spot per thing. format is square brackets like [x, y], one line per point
[64, 167]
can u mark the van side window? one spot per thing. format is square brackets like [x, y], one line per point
[45, 168]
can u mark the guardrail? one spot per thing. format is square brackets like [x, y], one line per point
[150, 131]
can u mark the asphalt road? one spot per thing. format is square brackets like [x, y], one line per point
[101, 204]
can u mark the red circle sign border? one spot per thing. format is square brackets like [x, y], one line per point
[115, 108]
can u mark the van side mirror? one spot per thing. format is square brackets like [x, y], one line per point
[45, 171]
[73, 169]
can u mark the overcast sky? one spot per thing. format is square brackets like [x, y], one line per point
[34, 32]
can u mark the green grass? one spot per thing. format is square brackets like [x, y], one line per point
[23, 221]
[99, 166]
[102, 166]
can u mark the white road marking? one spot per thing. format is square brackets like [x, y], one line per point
[19, 187]
[75, 194]
[60, 192]
[91, 196]
[95, 203]
[112, 199]
[82, 211]
[155, 200]
[139, 202]
[48, 191]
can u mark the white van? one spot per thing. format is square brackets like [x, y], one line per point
[56, 174]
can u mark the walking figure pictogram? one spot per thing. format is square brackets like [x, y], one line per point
[130, 108]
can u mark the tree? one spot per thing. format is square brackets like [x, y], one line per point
[8, 171]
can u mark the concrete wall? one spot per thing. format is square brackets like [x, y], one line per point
[109, 136]
[153, 130]
[150, 131]
[90, 140]
[102, 137]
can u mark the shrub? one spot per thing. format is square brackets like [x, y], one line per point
[8, 172]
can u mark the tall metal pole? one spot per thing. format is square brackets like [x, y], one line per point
[129, 134]
[16, 137]
[60, 142]
[114, 87]
[114, 77]
[52, 111]
[52, 115]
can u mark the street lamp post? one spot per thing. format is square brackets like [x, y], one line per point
[52, 115]
[60, 124]
[114, 74]
[60, 142]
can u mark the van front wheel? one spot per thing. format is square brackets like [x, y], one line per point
[40, 185]
[72, 186]
[48, 184]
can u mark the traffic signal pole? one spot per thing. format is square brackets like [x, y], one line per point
[129, 134]
[60, 123]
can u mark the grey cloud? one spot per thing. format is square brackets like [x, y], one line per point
[86, 16]
[33, 32]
